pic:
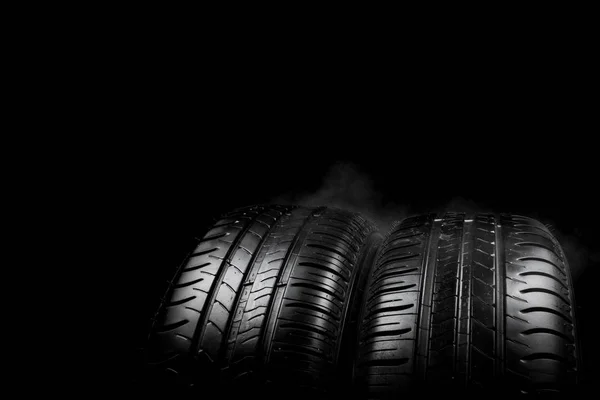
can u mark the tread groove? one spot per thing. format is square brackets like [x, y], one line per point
[180, 285]
[393, 332]
[540, 245]
[300, 349]
[396, 259]
[379, 292]
[173, 326]
[548, 331]
[337, 237]
[329, 248]
[176, 303]
[318, 288]
[542, 260]
[548, 310]
[545, 236]
[308, 328]
[201, 253]
[388, 309]
[545, 356]
[544, 290]
[195, 267]
[538, 273]
[313, 307]
[396, 247]
[323, 267]
[394, 274]
[390, 362]
[220, 235]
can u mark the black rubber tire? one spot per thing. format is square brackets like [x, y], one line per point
[463, 303]
[262, 299]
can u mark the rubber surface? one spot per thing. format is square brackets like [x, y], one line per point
[262, 301]
[462, 303]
